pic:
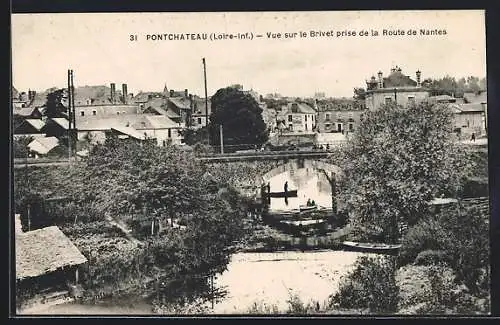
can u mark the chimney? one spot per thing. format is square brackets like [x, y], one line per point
[113, 93]
[171, 93]
[380, 80]
[185, 93]
[124, 93]
[419, 75]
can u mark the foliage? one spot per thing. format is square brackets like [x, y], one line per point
[453, 87]
[400, 159]
[462, 234]
[359, 93]
[241, 118]
[54, 104]
[195, 136]
[20, 146]
[431, 257]
[371, 285]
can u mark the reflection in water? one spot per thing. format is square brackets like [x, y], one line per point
[309, 183]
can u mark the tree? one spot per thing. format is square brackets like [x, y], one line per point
[359, 93]
[55, 107]
[241, 118]
[400, 159]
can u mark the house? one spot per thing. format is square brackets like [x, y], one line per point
[95, 129]
[30, 112]
[181, 104]
[470, 118]
[29, 127]
[103, 101]
[298, 117]
[200, 111]
[46, 261]
[395, 88]
[338, 115]
[56, 127]
[41, 146]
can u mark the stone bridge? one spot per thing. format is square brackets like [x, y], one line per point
[248, 173]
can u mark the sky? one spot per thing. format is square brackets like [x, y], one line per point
[97, 47]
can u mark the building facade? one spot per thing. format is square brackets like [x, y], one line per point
[395, 88]
[297, 117]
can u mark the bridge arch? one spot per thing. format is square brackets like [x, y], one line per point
[331, 170]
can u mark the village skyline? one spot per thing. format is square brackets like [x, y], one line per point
[98, 49]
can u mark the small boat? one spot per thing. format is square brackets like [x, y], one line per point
[283, 194]
[304, 222]
[305, 208]
[373, 247]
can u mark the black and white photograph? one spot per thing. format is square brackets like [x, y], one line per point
[277, 163]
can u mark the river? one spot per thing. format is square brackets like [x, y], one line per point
[266, 279]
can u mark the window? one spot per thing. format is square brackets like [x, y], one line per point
[306, 127]
[289, 118]
[388, 100]
[339, 127]
[351, 127]
[327, 117]
[82, 113]
[305, 117]
[94, 113]
[169, 133]
[117, 113]
[411, 100]
[123, 112]
[164, 143]
[199, 120]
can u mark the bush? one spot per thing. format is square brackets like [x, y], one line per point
[432, 257]
[371, 285]
[427, 234]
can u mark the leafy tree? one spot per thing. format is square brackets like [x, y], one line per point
[21, 146]
[359, 93]
[400, 159]
[54, 104]
[241, 118]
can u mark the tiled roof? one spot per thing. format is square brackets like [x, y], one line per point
[200, 107]
[398, 79]
[129, 131]
[64, 123]
[24, 111]
[477, 107]
[36, 123]
[43, 145]
[301, 108]
[136, 121]
[106, 110]
[180, 102]
[142, 97]
[473, 98]
[45, 250]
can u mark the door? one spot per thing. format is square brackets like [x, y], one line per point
[339, 127]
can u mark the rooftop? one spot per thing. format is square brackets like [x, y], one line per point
[45, 250]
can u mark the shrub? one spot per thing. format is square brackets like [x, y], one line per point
[432, 257]
[371, 285]
[427, 234]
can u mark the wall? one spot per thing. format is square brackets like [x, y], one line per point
[376, 98]
[300, 122]
[470, 122]
[163, 135]
[344, 118]
[106, 110]
[93, 137]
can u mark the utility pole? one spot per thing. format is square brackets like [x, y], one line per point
[395, 96]
[73, 133]
[221, 139]
[206, 98]
[70, 117]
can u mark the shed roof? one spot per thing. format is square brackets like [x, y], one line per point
[43, 145]
[36, 123]
[61, 121]
[45, 250]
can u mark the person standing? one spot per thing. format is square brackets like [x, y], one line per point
[286, 187]
[473, 137]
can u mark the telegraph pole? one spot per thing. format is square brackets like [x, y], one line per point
[70, 117]
[221, 139]
[206, 98]
[73, 132]
[395, 96]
